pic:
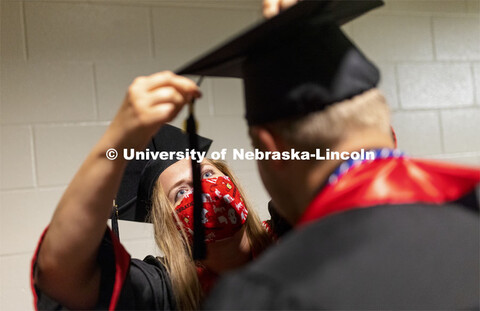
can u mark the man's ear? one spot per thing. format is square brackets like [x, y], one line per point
[266, 139]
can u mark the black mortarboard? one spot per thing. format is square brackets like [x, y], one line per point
[300, 56]
[136, 189]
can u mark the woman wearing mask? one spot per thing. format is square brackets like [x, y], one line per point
[80, 265]
[233, 233]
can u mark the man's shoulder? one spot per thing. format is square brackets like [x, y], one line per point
[364, 227]
[360, 256]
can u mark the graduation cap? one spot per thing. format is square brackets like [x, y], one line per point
[138, 182]
[295, 63]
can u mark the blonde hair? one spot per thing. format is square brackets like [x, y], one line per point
[325, 128]
[177, 252]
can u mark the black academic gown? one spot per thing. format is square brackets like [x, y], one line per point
[131, 284]
[417, 256]
[126, 284]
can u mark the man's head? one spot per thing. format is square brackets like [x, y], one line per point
[303, 79]
[349, 125]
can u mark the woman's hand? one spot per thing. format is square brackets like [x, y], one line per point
[273, 7]
[151, 102]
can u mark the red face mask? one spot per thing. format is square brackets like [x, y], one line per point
[224, 210]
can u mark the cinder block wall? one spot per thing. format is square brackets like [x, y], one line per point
[65, 66]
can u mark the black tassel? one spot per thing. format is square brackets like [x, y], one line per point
[199, 248]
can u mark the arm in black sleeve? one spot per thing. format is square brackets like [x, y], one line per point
[125, 283]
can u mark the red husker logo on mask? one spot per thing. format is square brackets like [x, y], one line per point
[224, 210]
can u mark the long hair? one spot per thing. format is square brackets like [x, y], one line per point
[173, 242]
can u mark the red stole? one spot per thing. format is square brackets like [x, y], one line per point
[392, 181]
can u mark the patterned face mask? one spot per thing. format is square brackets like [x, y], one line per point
[224, 210]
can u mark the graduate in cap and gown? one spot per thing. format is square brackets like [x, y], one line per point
[81, 264]
[389, 233]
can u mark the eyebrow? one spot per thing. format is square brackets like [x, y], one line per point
[206, 164]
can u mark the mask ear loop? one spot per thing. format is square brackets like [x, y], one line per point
[199, 248]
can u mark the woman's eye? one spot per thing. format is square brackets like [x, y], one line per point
[180, 194]
[207, 174]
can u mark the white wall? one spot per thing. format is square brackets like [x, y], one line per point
[65, 66]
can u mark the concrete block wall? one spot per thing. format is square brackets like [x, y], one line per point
[428, 52]
[65, 67]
